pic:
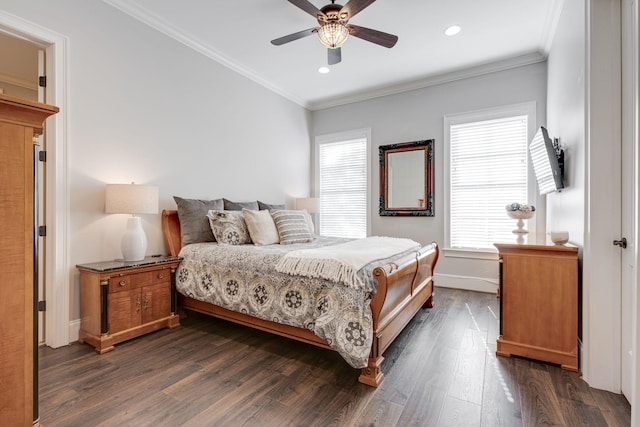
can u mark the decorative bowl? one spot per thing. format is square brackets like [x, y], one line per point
[559, 237]
[520, 211]
[520, 214]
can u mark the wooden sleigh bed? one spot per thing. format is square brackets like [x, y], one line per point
[404, 286]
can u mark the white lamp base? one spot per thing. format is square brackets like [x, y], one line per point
[134, 241]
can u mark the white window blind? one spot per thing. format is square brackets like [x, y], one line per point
[342, 170]
[488, 170]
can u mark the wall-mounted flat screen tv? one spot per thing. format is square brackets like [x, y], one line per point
[548, 162]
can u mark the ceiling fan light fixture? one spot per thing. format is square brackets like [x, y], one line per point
[333, 34]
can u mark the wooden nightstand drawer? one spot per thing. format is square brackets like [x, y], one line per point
[161, 276]
[130, 281]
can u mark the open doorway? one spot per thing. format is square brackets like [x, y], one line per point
[56, 268]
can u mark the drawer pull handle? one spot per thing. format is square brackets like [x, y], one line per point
[122, 282]
[160, 275]
[146, 301]
[138, 303]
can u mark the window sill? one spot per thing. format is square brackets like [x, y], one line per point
[488, 254]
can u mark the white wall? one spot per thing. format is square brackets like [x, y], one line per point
[584, 112]
[144, 108]
[419, 115]
[566, 118]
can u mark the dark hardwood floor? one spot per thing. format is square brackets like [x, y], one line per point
[441, 371]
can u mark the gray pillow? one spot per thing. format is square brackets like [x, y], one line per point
[194, 224]
[268, 206]
[237, 206]
[229, 227]
[292, 226]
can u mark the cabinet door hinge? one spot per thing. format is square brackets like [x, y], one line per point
[42, 81]
[42, 156]
[42, 306]
[42, 230]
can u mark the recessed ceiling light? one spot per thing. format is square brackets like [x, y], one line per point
[453, 30]
[323, 70]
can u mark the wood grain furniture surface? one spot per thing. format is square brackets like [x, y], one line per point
[123, 300]
[539, 303]
[20, 120]
[403, 288]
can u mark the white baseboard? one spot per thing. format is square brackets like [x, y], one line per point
[74, 330]
[477, 284]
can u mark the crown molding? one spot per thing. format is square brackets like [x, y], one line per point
[479, 70]
[152, 20]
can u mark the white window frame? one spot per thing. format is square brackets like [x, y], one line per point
[528, 109]
[337, 137]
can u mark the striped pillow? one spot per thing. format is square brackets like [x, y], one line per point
[292, 226]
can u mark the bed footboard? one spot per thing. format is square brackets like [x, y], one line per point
[404, 286]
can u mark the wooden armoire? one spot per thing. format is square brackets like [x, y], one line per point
[20, 122]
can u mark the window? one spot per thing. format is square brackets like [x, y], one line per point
[488, 169]
[342, 184]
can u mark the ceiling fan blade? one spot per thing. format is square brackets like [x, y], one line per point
[309, 8]
[334, 56]
[373, 36]
[295, 36]
[353, 7]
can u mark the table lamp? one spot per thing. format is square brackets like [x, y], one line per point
[311, 204]
[132, 199]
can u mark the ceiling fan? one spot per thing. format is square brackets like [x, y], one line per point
[334, 27]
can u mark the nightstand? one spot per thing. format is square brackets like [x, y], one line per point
[539, 302]
[123, 300]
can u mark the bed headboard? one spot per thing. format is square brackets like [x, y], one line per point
[171, 231]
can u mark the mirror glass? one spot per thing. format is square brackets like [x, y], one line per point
[406, 179]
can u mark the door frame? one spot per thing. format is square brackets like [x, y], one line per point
[57, 271]
[632, 85]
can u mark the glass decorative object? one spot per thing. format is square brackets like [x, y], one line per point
[520, 211]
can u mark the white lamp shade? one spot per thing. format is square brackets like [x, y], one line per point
[311, 204]
[131, 199]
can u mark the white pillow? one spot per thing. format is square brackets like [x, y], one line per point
[261, 227]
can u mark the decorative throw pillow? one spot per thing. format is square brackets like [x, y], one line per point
[268, 206]
[238, 206]
[194, 226]
[261, 227]
[292, 226]
[229, 227]
[307, 216]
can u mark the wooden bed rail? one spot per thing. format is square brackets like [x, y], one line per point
[408, 275]
[404, 286]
